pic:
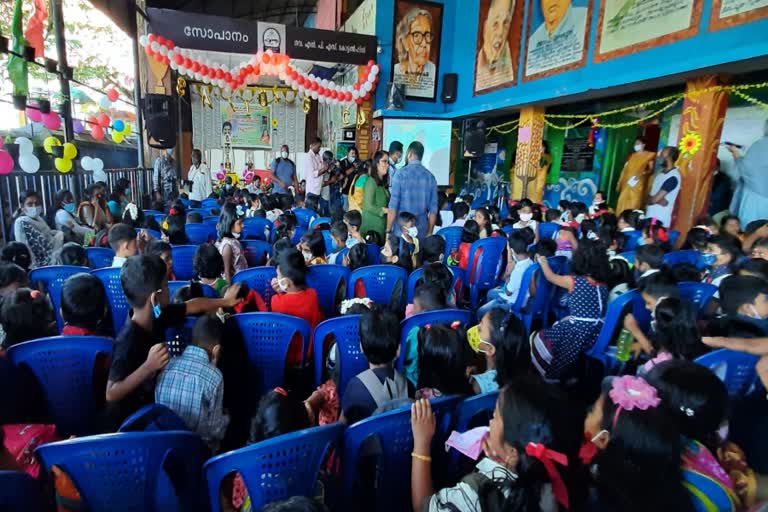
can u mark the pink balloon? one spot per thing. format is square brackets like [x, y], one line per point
[52, 121]
[34, 114]
[112, 94]
[220, 175]
[6, 162]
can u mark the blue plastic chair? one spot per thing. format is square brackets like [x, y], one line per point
[384, 284]
[438, 316]
[208, 290]
[209, 203]
[689, 256]
[53, 278]
[629, 256]
[153, 418]
[208, 220]
[374, 254]
[177, 338]
[328, 240]
[471, 412]
[303, 216]
[319, 220]
[202, 211]
[153, 212]
[697, 293]
[735, 369]
[267, 338]
[327, 280]
[508, 229]
[277, 468]
[152, 232]
[133, 470]
[548, 229]
[183, 258]
[19, 492]
[487, 256]
[413, 280]
[118, 304]
[200, 233]
[393, 432]
[350, 360]
[256, 252]
[452, 235]
[673, 236]
[259, 228]
[632, 238]
[99, 257]
[527, 307]
[258, 279]
[63, 366]
[614, 317]
[297, 234]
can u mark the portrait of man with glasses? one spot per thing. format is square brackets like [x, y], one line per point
[417, 47]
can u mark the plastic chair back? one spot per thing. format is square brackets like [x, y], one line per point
[99, 257]
[384, 284]
[118, 304]
[208, 220]
[392, 431]
[201, 211]
[350, 360]
[303, 216]
[19, 492]
[374, 254]
[438, 316]
[673, 236]
[487, 259]
[697, 293]
[525, 305]
[328, 239]
[53, 278]
[267, 338]
[418, 274]
[508, 229]
[629, 256]
[735, 369]
[688, 256]
[258, 279]
[153, 232]
[208, 290]
[632, 238]
[257, 252]
[548, 229]
[277, 468]
[153, 418]
[452, 235]
[153, 212]
[64, 368]
[319, 220]
[471, 412]
[259, 228]
[183, 258]
[198, 234]
[178, 338]
[133, 470]
[209, 203]
[297, 234]
[327, 280]
[614, 317]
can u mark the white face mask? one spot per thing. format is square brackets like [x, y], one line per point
[480, 350]
[526, 217]
[284, 154]
[413, 232]
[638, 147]
[307, 255]
[351, 159]
[235, 235]
[282, 284]
[32, 211]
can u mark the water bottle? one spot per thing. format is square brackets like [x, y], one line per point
[624, 345]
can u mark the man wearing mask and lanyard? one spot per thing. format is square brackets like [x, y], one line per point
[349, 168]
[395, 154]
[200, 177]
[283, 172]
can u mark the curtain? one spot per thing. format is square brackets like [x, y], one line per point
[619, 144]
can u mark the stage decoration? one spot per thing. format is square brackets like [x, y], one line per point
[52, 121]
[28, 162]
[268, 63]
[307, 104]
[63, 165]
[70, 151]
[181, 86]
[49, 143]
[690, 143]
[112, 94]
[275, 123]
[34, 114]
[6, 161]
[77, 126]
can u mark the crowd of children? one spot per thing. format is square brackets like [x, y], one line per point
[556, 441]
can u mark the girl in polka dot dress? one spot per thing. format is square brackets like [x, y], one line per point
[555, 351]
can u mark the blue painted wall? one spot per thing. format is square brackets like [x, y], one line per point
[458, 56]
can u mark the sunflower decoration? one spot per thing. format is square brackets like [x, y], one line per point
[690, 143]
[275, 123]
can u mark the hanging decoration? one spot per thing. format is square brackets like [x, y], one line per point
[112, 94]
[17, 66]
[33, 113]
[266, 63]
[77, 126]
[690, 143]
[49, 143]
[36, 26]
[306, 105]
[181, 86]
[28, 162]
[52, 121]
[6, 161]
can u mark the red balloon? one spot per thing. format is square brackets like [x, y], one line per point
[103, 120]
[160, 40]
[256, 70]
[187, 62]
[359, 101]
[356, 86]
[112, 94]
[170, 44]
[266, 58]
[347, 96]
[151, 37]
[92, 121]
[204, 69]
[178, 59]
[97, 132]
[219, 73]
[301, 80]
[196, 67]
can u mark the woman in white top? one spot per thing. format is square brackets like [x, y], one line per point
[31, 229]
[65, 219]
[200, 176]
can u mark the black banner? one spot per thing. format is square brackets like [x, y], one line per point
[230, 35]
[578, 156]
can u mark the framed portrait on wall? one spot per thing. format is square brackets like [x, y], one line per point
[498, 44]
[627, 26]
[416, 47]
[557, 36]
[245, 126]
[728, 13]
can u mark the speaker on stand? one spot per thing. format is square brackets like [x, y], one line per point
[160, 120]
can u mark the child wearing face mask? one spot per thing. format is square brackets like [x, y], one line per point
[525, 214]
[409, 242]
[230, 228]
[744, 300]
[599, 205]
[518, 261]
[724, 253]
[653, 289]
[312, 247]
[293, 297]
[30, 228]
[501, 338]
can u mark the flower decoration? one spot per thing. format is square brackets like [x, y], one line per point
[630, 393]
[274, 122]
[240, 211]
[690, 143]
[348, 303]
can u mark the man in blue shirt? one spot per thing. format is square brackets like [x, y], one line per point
[414, 190]
[283, 172]
[395, 154]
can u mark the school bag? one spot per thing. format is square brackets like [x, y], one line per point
[21, 440]
[384, 393]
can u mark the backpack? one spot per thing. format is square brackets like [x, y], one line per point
[22, 439]
[384, 393]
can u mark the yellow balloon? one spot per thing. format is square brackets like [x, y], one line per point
[127, 130]
[70, 151]
[63, 164]
[117, 136]
[49, 142]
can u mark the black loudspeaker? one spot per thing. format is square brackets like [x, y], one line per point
[473, 138]
[160, 120]
[395, 96]
[450, 86]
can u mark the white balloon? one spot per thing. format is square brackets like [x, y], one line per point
[143, 40]
[25, 145]
[315, 95]
[371, 77]
[311, 76]
[100, 175]
[97, 164]
[86, 162]
[375, 69]
[367, 86]
[355, 94]
[155, 47]
[29, 163]
[105, 103]
[174, 66]
[294, 86]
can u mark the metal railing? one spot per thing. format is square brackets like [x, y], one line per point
[47, 183]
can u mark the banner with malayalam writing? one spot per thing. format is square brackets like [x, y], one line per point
[627, 26]
[727, 13]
